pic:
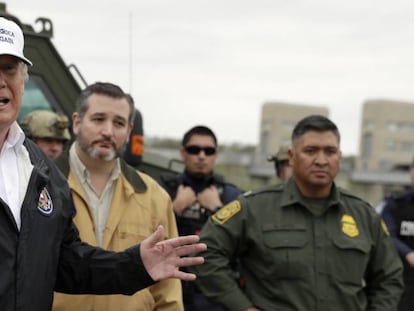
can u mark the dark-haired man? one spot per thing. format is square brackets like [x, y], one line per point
[40, 248]
[197, 193]
[303, 245]
[116, 205]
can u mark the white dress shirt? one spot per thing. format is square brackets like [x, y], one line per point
[15, 171]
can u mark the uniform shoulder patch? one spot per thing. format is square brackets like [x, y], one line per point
[384, 227]
[227, 212]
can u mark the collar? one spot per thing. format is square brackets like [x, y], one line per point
[129, 172]
[292, 195]
[80, 169]
[212, 178]
[197, 184]
[15, 137]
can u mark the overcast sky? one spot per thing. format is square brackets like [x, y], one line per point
[215, 62]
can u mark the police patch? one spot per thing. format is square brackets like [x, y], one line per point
[226, 212]
[384, 227]
[349, 226]
[45, 204]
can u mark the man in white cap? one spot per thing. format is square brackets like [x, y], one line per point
[40, 248]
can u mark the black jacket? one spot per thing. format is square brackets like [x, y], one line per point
[398, 214]
[193, 219]
[47, 254]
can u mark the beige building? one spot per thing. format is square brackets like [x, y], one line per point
[276, 125]
[387, 135]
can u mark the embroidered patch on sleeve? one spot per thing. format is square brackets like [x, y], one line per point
[226, 212]
[384, 227]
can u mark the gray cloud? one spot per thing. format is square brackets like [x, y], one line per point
[216, 62]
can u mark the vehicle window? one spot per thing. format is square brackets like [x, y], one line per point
[36, 96]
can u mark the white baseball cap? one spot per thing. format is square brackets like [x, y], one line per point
[12, 40]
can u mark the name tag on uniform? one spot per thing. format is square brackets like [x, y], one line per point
[407, 228]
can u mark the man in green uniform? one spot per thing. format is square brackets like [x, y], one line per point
[304, 245]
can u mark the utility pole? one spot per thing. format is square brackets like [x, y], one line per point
[130, 65]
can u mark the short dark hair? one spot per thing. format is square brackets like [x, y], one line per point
[107, 89]
[316, 123]
[198, 130]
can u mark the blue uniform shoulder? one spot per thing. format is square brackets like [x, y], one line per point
[402, 196]
[230, 193]
[231, 187]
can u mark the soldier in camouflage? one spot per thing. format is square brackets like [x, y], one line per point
[48, 130]
[283, 169]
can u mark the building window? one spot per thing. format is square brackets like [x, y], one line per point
[288, 126]
[368, 125]
[400, 126]
[407, 146]
[392, 126]
[391, 145]
[367, 145]
[265, 143]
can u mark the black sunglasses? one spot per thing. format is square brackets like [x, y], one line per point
[194, 150]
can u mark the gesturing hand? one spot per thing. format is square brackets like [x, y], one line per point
[163, 258]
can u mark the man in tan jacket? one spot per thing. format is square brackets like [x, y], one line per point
[117, 206]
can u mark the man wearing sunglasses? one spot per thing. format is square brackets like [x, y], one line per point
[40, 246]
[197, 193]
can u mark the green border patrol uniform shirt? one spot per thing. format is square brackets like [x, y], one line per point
[297, 257]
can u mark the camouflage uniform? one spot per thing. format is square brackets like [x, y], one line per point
[46, 124]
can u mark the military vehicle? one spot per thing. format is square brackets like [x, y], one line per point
[55, 86]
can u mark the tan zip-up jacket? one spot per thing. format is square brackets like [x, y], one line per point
[138, 206]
